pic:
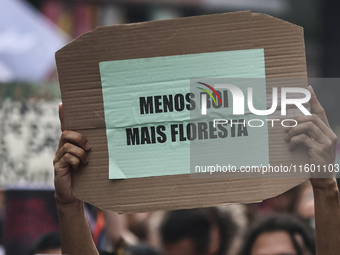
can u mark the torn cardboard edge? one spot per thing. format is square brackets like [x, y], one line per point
[80, 83]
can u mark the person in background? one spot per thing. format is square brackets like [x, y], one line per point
[47, 244]
[197, 232]
[313, 132]
[139, 249]
[279, 234]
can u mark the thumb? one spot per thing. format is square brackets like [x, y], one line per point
[61, 117]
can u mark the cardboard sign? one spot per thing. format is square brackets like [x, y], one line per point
[105, 72]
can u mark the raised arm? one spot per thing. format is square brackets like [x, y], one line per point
[75, 232]
[315, 133]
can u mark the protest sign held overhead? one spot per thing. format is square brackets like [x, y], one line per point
[149, 98]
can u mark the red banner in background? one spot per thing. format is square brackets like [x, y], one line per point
[28, 215]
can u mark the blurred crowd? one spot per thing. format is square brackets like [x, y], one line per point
[280, 225]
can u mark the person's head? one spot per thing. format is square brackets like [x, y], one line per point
[47, 244]
[280, 235]
[139, 249]
[196, 232]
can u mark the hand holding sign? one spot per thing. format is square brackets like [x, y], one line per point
[314, 132]
[74, 228]
[70, 154]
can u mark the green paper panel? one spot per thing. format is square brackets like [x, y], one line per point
[160, 151]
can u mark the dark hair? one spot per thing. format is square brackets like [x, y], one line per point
[281, 222]
[141, 249]
[195, 224]
[47, 241]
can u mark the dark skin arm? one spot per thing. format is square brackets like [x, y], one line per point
[315, 133]
[75, 232]
[327, 217]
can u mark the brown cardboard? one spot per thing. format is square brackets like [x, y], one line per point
[80, 83]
